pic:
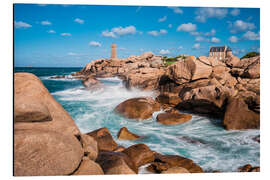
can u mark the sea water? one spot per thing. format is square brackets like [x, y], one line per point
[201, 139]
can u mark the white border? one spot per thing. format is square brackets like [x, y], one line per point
[6, 87]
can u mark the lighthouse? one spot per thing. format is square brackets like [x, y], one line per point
[113, 51]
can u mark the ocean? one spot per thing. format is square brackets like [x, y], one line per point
[201, 139]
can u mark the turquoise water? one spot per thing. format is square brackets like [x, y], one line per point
[202, 139]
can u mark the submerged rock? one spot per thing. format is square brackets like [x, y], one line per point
[92, 83]
[173, 118]
[138, 108]
[104, 139]
[125, 134]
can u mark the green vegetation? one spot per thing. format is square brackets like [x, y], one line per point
[250, 54]
[170, 60]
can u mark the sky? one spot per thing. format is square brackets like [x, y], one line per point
[74, 35]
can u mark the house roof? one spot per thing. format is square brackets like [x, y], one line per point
[220, 49]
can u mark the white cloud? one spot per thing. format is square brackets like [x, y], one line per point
[120, 31]
[163, 31]
[21, 24]
[204, 13]
[180, 47]
[153, 33]
[108, 34]
[95, 43]
[189, 27]
[162, 19]
[215, 40]
[211, 33]
[65, 34]
[196, 46]
[195, 33]
[241, 26]
[176, 10]
[200, 38]
[164, 51]
[124, 31]
[78, 20]
[51, 31]
[235, 12]
[157, 33]
[46, 23]
[251, 36]
[170, 25]
[233, 39]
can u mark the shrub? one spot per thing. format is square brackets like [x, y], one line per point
[250, 54]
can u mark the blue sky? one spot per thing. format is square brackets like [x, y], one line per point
[74, 35]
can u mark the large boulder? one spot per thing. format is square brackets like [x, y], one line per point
[173, 118]
[209, 100]
[138, 108]
[45, 153]
[140, 154]
[105, 141]
[165, 162]
[238, 116]
[125, 134]
[202, 70]
[182, 71]
[175, 170]
[90, 146]
[156, 62]
[32, 110]
[45, 135]
[28, 89]
[143, 78]
[88, 167]
[116, 163]
[146, 55]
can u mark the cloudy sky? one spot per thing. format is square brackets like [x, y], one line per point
[73, 35]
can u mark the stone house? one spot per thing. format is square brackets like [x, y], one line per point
[220, 52]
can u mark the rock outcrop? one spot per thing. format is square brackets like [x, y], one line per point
[125, 134]
[238, 116]
[88, 167]
[45, 136]
[201, 85]
[166, 162]
[138, 108]
[140, 154]
[115, 163]
[105, 141]
[249, 168]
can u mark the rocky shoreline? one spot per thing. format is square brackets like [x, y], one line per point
[228, 89]
[48, 142]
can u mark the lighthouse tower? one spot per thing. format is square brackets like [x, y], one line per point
[113, 51]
